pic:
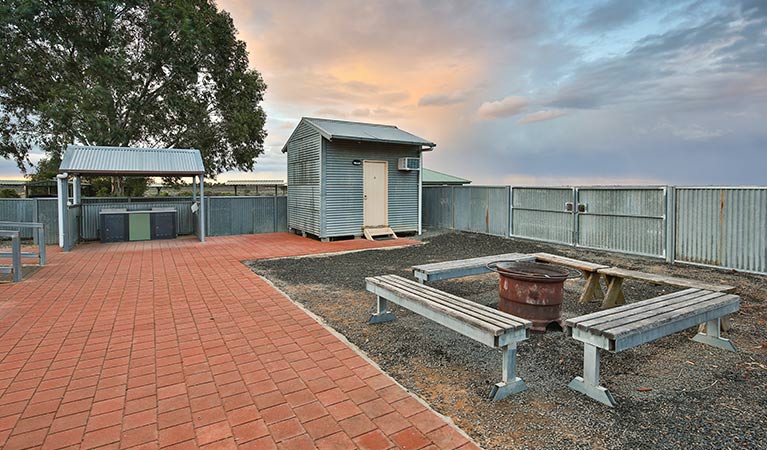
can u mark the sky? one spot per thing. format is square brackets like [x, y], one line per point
[525, 92]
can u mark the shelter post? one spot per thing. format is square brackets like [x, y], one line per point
[62, 189]
[202, 208]
[76, 190]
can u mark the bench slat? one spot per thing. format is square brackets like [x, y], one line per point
[443, 307]
[480, 324]
[454, 322]
[664, 279]
[570, 262]
[469, 262]
[636, 315]
[672, 316]
[477, 310]
[605, 314]
[463, 267]
[446, 309]
[655, 310]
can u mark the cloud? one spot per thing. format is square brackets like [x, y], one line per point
[329, 113]
[506, 107]
[612, 14]
[687, 132]
[715, 59]
[442, 99]
[540, 116]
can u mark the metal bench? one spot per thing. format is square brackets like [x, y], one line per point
[593, 290]
[15, 255]
[614, 277]
[39, 236]
[462, 267]
[624, 327]
[487, 325]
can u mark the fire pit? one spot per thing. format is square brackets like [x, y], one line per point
[533, 291]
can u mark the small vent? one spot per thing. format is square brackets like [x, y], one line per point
[409, 164]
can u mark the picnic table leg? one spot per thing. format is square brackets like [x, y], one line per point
[510, 382]
[593, 290]
[383, 315]
[589, 383]
[614, 292]
[712, 336]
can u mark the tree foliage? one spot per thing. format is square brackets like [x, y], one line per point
[153, 73]
[46, 169]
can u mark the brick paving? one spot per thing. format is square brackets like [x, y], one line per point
[177, 344]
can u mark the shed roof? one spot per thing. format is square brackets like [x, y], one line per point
[433, 177]
[100, 160]
[360, 131]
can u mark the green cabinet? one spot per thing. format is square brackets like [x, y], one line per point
[139, 228]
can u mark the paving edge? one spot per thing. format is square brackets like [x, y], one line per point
[329, 254]
[364, 355]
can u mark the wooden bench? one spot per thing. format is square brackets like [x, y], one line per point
[593, 290]
[627, 326]
[615, 276]
[487, 325]
[462, 267]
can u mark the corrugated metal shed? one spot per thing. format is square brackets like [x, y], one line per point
[332, 129]
[326, 163]
[99, 160]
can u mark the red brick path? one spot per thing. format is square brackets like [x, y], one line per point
[177, 344]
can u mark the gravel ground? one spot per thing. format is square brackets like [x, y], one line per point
[700, 397]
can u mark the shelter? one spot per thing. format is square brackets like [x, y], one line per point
[345, 177]
[126, 161]
[434, 178]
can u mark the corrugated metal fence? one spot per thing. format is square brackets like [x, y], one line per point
[42, 210]
[226, 215]
[721, 227]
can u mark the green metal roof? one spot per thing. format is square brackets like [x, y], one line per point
[360, 131]
[433, 177]
[100, 160]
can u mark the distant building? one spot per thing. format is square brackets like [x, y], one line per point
[18, 186]
[434, 178]
[348, 178]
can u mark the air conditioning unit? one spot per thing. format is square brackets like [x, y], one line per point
[409, 164]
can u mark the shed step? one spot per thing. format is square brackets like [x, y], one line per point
[378, 232]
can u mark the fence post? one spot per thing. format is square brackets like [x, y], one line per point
[452, 202]
[274, 215]
[35, 218]
[576, 225]
[670, 224]
[509, 210]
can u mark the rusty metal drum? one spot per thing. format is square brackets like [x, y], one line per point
[533, 291]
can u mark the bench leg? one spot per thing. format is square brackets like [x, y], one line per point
[712, 336]
[421, 277]
[589, 383]
[593, 290]
[510, 383]
[383, 315]
[614, 295]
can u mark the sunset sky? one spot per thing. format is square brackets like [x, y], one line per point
[525, 92]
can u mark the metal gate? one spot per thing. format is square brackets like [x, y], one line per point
[629, 220]
[543, 214]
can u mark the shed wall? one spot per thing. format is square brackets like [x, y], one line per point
[304, 179]
[342, 186]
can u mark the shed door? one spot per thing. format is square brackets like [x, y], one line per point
[375, 194]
